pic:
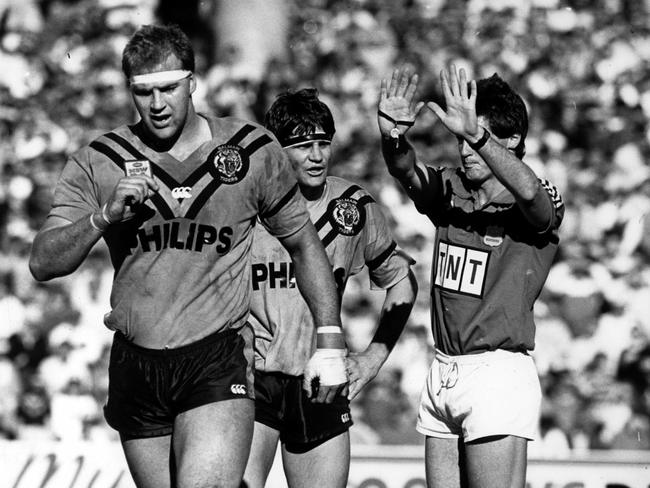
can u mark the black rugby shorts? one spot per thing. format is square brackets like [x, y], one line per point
[282, 404]
[148, 388]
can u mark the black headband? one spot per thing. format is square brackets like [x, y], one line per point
[314, 136]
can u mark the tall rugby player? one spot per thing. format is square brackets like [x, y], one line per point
[176, 197]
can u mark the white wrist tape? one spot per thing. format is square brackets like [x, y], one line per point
[328, 365]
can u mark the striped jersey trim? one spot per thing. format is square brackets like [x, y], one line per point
[553, 192]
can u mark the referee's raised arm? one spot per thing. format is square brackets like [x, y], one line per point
[397, 111]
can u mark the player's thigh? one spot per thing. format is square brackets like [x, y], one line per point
[444, 459]
[212, 443]
[260, 461]
[497, 462]
[325, 466]
[149, 461]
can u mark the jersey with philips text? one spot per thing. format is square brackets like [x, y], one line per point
[489, 265]
[355, 234]
[182, 265]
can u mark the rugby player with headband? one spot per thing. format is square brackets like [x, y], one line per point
[175, 196]
[314, 438]
[495, 238]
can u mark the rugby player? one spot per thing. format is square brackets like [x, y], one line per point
[314, 438]
[496, 234]
[176, 197]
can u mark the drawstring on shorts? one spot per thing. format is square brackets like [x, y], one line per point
[448, 376]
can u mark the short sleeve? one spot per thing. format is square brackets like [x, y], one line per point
[557, 204]
[282, 207]
[387, 264]
[432, 190]
[75, 194]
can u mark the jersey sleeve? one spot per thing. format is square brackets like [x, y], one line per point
[75, 194]
[282, 207]
[431, 196]
[556, 204]
[387, 263]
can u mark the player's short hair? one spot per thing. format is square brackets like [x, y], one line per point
[151, 45]
[503, 108]
[298, 113]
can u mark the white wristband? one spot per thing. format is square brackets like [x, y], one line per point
[105, 214]
[330, 336]
[329, 329]
[94, 225]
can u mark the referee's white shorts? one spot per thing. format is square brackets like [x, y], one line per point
[481, 395]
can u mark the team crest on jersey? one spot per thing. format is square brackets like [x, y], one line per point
[230, 163]
[346, 216]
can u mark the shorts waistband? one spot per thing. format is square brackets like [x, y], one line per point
[478, 357]
[176, 351]
[277, 374]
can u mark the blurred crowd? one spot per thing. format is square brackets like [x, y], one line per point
[583, 68]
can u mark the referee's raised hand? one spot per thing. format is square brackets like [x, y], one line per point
[459, 115]
[397, 108]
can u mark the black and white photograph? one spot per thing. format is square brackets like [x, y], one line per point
[325, 244]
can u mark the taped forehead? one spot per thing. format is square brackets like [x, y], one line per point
[167, 76]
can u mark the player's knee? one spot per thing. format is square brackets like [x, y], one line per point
[192, 479]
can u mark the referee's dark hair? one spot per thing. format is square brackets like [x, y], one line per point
[504, 109]
[298, 113]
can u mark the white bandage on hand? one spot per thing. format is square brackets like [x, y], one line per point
[328, 365]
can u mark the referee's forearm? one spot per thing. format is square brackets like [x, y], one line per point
[399, 160]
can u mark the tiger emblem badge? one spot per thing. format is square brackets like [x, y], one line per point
[346, 216]
[229, 163]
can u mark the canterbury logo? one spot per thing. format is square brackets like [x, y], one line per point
[182, 192]
[238, 389]
[345, 417]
